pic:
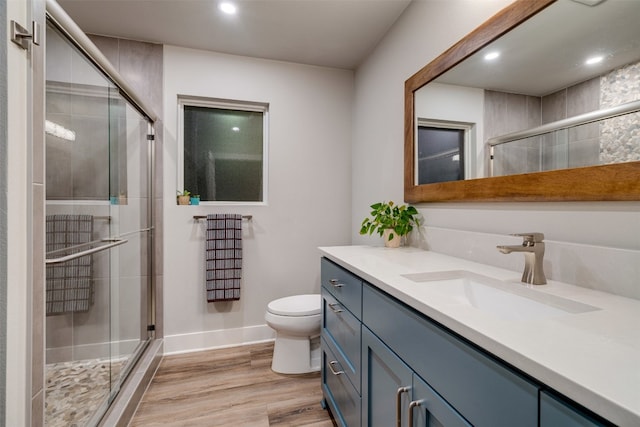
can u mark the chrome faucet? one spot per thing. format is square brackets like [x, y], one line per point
[533, 249]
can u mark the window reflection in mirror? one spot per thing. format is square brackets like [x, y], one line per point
[441, 152]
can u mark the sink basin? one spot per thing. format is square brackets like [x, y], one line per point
[506, 300]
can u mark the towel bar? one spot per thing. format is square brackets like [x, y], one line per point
[199, 217]
[110, 244]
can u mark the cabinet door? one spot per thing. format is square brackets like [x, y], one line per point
[556, 413]
[386, 384]
[428, 409]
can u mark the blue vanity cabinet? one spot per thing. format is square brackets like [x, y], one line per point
[556, 412]
[384, 362]
[481, 389]
[388, 384]
[341, 342]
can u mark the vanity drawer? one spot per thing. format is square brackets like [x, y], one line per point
[343, 285]
[343, 399]
[480, 388]
[343, 328]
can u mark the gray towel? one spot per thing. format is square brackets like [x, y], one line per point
[69, 286]
[223, 257]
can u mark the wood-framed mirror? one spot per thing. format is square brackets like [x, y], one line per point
[607, 182]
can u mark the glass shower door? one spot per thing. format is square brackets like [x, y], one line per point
[97, 236]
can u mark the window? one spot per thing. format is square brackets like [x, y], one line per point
[442, 148]
[223, 147]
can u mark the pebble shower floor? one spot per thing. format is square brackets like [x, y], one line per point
[76, 389]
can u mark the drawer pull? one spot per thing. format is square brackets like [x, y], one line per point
[333, 371]
[335, 283]
[399, 393]
[412, 405]
[333, 308]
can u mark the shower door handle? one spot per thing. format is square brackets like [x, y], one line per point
[110, 244]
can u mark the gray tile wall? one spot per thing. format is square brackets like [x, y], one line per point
[85, 172]
[506, 113]
[581, 145]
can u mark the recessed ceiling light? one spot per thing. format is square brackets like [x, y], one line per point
[594, 60]
[491, 56]
[228, 8]
[235, 129]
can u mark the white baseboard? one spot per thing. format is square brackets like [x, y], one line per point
[220, 338]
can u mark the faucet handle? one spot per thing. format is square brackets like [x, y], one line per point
[529, 238]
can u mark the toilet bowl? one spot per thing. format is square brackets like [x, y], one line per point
[296, 320]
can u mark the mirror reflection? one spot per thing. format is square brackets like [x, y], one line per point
[560, 91]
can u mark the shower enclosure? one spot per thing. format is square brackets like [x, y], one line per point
[99, 231]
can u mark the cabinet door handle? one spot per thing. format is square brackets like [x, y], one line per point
[412, 405]
[335, 283]
[333, 371]
[333, 308]
[399, 393]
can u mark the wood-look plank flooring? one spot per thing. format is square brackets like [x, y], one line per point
[230, 387]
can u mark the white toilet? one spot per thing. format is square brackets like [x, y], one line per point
[296, 320]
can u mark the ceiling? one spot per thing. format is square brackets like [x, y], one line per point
[548, 52]
[331, 33]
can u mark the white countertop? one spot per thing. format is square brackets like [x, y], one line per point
[592, 357]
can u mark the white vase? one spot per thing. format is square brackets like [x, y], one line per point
[394, 242]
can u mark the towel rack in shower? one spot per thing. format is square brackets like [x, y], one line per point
[111, 242]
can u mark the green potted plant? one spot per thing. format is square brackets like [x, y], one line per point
[184, 197]
[391, 221]
[195, 199]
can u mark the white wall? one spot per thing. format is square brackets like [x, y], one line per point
[309, 195]
[592, 244]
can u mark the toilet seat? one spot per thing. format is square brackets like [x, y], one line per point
[296, 305]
